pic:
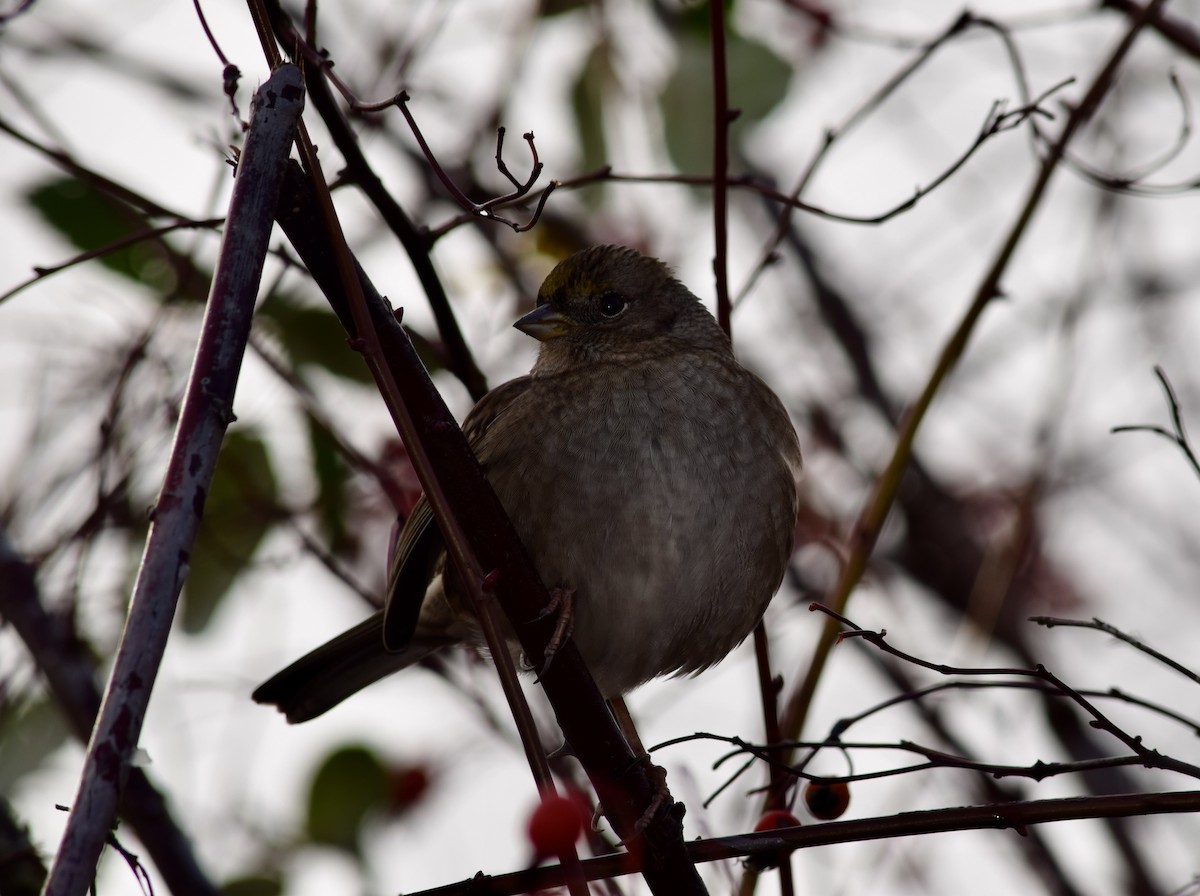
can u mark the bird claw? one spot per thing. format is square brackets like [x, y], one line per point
[562, 602]
[662, 795]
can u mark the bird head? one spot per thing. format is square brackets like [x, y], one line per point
[609, 303]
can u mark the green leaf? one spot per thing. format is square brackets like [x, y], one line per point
[241, 508]
[587, 103]
[757, 78]
[32, 732]
[313, 337]
[350, 784]
[332, 477]
[90, 220]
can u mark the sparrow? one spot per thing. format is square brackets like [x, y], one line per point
[650, 476]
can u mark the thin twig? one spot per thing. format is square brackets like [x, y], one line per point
[722, 116]
[858, 116]
[41, 272]
[1149, 758]
[1102, 626]
[231, 74]
[481, 210]
[1178, 435]
[870, 522]
[997, 121]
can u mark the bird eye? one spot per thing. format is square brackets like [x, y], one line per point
[611, 304]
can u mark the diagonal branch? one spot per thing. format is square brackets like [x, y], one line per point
[204, 416]
[495, 558]
[870, 522]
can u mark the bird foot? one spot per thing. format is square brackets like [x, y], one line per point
[660, 797]
[562, 602]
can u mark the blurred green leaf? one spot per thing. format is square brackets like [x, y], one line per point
[313, 337]
[254, 885]
[691, 18]
[32, 732]
[587, 103]
[351, 783]
[90, 220]
[332, 475]
[758, 81]
[242, 507]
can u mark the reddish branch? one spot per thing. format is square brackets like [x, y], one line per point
[624, 788]
[996, 816]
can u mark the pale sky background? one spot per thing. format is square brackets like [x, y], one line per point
[1124, 525]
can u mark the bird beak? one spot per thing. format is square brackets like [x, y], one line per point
[544, 323]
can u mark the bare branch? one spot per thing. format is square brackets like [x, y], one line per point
[993, 816]
[1102, 626]
[870, 521]
[205, 414]
[1177, 434]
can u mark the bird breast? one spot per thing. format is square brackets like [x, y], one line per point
[661, 501]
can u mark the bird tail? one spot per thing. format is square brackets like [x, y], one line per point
[323, 678]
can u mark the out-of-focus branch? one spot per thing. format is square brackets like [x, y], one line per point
[722, 116]
[879, 503]
[21, 870]
[1181, 33]
[106, 185]
[69, 670]
[151, 233]
[204, 416]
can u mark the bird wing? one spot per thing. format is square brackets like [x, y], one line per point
[420, 547]
[491, 407]
[414, 563]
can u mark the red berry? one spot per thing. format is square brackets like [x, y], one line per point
[407, 785]
[827, 800]
[775, 819]
[555, 825]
